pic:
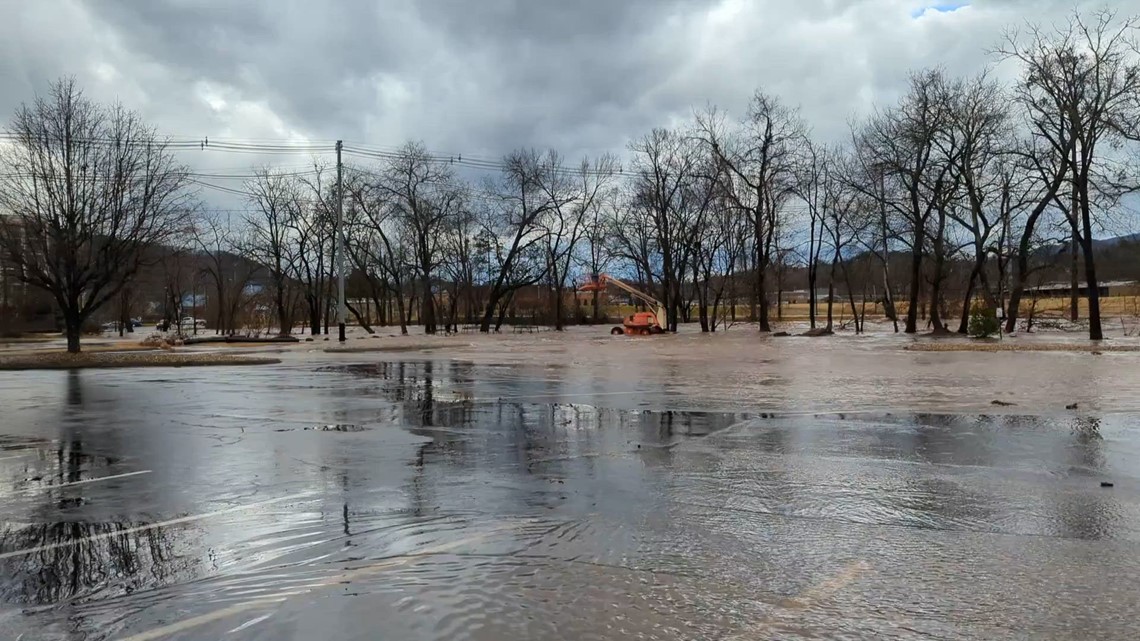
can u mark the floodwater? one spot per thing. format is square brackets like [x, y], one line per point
[417, 496]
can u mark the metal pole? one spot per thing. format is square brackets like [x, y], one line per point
[340, 308]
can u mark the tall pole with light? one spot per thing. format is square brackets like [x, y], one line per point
[340, 307]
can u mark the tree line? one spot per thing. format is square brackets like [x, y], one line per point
[706, 215]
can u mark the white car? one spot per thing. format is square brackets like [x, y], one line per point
[190, 323]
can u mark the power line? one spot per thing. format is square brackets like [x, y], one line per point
[284, 146]
[221, 188]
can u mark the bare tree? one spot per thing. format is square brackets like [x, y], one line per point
[1079, 88]
[425, 197]
[86, 188]
[906, 146]
[512, 229]
[376, 244]
[312, 236]
[600, 218]
[461, 264]
[812, 176]
[980, 116]
[667, 165]
[229, 274]
[761, 159]
[268, 238]
[573, 194]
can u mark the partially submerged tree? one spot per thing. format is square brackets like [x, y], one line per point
[907, 147]
[1080, 90]
[574, 194]
[760, 158]
[85, 189]
[425, 198]
[512, 228]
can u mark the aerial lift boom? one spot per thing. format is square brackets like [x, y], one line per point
[639, 323]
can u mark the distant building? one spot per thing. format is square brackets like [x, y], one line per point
[1105, 289]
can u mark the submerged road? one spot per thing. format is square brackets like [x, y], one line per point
[433, 499]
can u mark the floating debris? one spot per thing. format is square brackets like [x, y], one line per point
[337, 427]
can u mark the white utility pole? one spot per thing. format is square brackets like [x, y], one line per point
[340, 307]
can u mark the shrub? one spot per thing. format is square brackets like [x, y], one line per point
[983, 322]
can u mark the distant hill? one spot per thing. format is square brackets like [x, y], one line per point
[1116, 241]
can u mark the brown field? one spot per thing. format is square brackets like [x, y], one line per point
[1127, 307]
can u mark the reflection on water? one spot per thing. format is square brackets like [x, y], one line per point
[534, 508]
[53, 549]
[73, 559]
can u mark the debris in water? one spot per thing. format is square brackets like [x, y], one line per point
[1071, 406]
[1106, 484]
[1000, 403]
[337, 427]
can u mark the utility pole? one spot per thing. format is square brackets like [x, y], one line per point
[340, 308]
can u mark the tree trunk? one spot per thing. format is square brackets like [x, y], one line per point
[73, 328]
[915, 284]
[851, 296]
[408, 309]
[702, 291]
[830, 297]
[762, 296]
[1014, 304]
[362, 320]
[1074, 277]
[400, 312]
[936, 323]
[489, 312]
[939, 277]
[283, 319]
[428, 319]
[558, 325]
[779, 298]
[754, 302]
[314, 316]
[221, 326]
[1095, 333]
[326, 311]
[812, 270]
[964, 323]
[503, 307]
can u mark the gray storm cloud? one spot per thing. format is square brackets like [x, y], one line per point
[486, 77]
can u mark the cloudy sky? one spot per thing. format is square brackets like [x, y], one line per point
[482, 77]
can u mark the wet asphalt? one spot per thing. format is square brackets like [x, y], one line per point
[430, 498]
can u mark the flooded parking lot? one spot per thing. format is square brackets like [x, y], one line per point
[418, 496]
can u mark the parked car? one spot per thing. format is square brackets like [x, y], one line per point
[189, 323]
[185, 324]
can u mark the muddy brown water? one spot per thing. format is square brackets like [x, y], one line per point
[513, 501]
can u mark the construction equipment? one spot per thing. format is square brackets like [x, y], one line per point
[638, 323]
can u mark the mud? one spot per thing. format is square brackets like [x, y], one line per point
[594, 488]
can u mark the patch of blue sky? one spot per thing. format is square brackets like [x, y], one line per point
[945, 6]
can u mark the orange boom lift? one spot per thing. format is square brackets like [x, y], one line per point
[638, 323]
